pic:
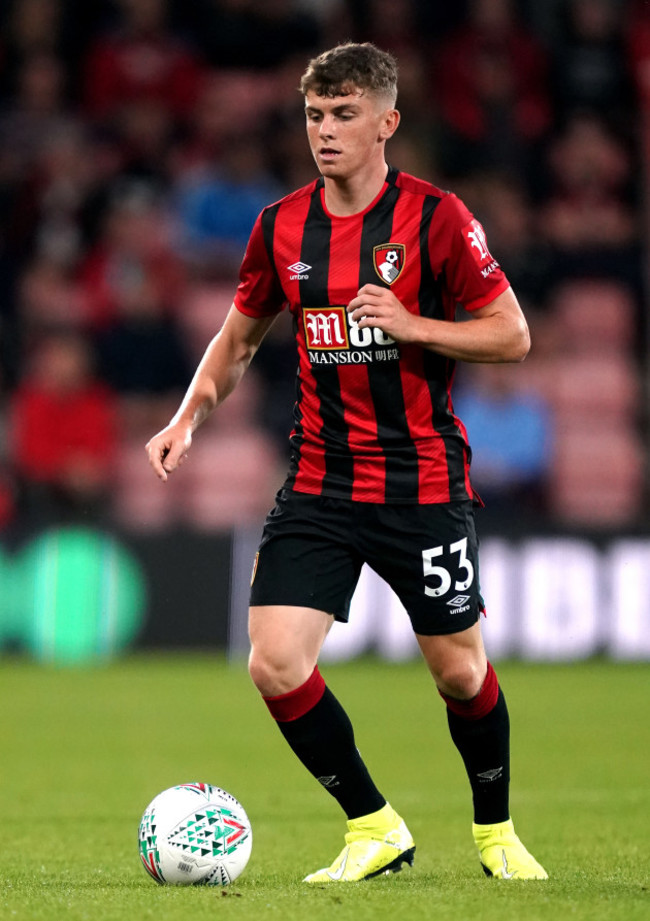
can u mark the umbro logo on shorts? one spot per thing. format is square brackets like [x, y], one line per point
[458, 604]
[458, 601]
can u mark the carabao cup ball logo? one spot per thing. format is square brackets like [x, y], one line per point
[195, 834]
[388, 260]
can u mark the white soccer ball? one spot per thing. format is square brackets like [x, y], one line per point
[195, 835]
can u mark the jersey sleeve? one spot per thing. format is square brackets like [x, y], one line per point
[459, 254]
[259, 293]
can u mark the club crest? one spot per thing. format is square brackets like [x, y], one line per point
[388, 260]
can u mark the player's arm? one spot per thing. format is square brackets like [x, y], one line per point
[497, 332]
[225, 360]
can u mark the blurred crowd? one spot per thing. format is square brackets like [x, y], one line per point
[139, 139]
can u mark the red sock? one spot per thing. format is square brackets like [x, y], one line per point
[294, 704]
[479, 706]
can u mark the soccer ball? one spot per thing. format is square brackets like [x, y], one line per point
[195, 835]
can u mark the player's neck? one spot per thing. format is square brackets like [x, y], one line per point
[344, 197]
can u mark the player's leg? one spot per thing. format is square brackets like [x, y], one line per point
[306, 572]
[285, 643]
[429, 555]
[480, 728]
[477, 716]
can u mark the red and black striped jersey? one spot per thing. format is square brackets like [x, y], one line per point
[373, 419]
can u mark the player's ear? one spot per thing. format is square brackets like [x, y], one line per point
[389, 123]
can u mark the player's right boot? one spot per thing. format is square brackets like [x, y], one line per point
[375, 844]
[503, 855]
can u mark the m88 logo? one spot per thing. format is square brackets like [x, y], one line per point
[332, 330]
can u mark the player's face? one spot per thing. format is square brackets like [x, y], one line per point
[347, 133]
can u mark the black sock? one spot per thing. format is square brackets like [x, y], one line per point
[323, 739]
[484, 745]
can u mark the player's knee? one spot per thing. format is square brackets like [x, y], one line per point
[261, 671]
[462, 679]
[272, 674]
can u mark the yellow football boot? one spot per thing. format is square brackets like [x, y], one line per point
[503, 855]
[375, 844]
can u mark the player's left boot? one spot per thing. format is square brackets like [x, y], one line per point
[375, 844]
[503, 855]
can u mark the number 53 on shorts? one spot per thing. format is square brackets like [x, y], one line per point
[447, 567]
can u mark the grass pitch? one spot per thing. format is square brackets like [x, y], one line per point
[84, 751]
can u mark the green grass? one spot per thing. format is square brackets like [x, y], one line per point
[83, 751]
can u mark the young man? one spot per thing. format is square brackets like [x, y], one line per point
[372, 263]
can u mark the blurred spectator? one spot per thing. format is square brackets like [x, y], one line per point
[638, 46]
[34, 110]
[62, 432]
[31, 29]
[584, 363]
[135, 245]
[426, 21]
[32, 122]
[255, 33]
[338, 20]
[394, 25]
[28, 118]
[48, 217]
[589, 67]
[589, 218]
[55, 28]
[141, 82]
[490, 82]
[50, 297]
[141, 61]
[217, 205]
[142, 355]
[40, 188]
[131, 285]
[145, 137]
[511, 435]
[230, 101]
[599, 318]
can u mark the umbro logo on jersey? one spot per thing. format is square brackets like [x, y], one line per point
[300, 270]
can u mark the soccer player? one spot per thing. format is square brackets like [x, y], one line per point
[372, 263]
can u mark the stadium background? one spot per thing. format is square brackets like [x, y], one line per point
[138, 141]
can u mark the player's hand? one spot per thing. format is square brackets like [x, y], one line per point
[378, 306]
[168, 449]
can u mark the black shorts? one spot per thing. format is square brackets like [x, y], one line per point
[313, 548]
